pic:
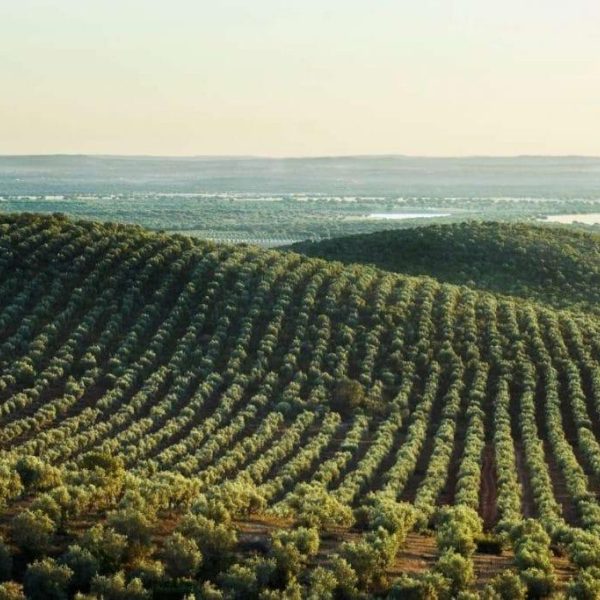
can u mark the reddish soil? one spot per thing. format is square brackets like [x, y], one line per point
[488, 492]
[570, 430]
[559, 486]
[414, 480]
[527, 502]
[417, 555]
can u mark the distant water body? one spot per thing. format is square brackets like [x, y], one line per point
[528, 177]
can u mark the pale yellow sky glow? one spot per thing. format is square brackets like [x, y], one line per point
[287, 77]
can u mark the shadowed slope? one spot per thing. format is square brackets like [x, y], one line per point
[555, 265]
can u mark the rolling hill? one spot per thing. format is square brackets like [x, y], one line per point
[559, 266]
[184, 418]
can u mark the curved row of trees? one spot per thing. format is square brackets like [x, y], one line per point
[140, 365]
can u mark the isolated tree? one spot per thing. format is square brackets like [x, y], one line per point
[348, 396]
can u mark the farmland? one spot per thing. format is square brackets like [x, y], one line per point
[180, 417]
[280, 219]
[558, 266]
[276, 202]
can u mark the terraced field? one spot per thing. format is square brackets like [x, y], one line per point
[146, 377]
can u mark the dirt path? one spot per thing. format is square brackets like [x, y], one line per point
[414, 480]
[570, 429]
[559, 485]
[417, 555]
[449, 490]
[527, 501]
[488, 494]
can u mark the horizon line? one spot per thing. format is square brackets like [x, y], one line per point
[295, 157]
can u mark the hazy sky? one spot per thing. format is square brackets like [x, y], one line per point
[300, 77]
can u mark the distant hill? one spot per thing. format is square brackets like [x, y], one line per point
[519, 176]
[558, 266]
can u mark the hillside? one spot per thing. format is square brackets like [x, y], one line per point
[152, 384]
[559, 266]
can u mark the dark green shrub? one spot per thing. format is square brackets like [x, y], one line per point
[32, 532]
[47, 580]
[6, 562]
[181, 556]
[83, 564]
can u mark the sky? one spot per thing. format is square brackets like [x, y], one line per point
[300, 77]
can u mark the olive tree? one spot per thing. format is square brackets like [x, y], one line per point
[32, 532]
[11, 590]
[47, 580]
[181, 556]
